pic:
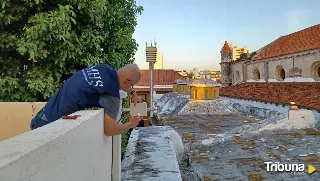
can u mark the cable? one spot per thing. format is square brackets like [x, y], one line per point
[112, 159]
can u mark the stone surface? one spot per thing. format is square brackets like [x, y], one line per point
[301, 72]
[229, 147]
[150, 156]
[239, 155]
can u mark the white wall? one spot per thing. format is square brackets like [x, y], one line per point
[65, 150]
[72, 150]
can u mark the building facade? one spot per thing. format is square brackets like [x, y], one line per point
[291, 58]
[159, 62]
[237, 51]
[198, 89]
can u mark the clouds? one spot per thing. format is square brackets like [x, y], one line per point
[296, 20]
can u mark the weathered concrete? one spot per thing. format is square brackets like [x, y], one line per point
[150, 156]
[218, 153]
[260, 109]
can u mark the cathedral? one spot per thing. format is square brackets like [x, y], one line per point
[290, 58]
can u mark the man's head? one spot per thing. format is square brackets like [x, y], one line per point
[129, 75]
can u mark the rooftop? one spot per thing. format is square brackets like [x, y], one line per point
[232, 141]
[302, 40]
[160, 77]
[147, 146]
[305, 94]
[222, 155]
[204, 82]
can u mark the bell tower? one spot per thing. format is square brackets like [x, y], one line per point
[226, 59]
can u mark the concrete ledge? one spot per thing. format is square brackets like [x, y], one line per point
[70, 150]
[150, 156]
[270, 106]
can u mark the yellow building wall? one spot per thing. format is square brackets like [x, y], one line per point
[188, 89]
[237, 51]
[175, 87]
[183, 89]
[159, 61]
[201, 93]
[148, 97]
[15, 117]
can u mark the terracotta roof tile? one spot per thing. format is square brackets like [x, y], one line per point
[306, 94]
[305, 39]
[226, 46]
[160, 77]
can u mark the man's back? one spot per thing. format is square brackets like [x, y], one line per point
[82, 90]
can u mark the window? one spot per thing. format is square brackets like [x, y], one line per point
[256, 74]
[196, 94]
[206, 95]
[315, 70]
[214, 94]
[280, 73]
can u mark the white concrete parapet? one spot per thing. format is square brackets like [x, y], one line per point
[71, 150]
[150, 156]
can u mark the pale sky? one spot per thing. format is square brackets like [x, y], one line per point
[191, 33]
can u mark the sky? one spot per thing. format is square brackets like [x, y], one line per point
[190, 33]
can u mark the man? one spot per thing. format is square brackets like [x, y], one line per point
[96, 86]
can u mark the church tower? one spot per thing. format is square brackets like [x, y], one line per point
[226, 59]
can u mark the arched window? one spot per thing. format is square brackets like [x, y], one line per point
[315, 70]
[280, 73]
[256, 74]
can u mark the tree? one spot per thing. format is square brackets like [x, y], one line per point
[190, 75]
[42, 43]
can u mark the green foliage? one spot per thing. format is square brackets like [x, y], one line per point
[190, 75]
[126, 135]
[42, 43]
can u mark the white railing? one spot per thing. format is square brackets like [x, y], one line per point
[72, 150]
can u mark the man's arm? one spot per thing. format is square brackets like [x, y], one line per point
[111, 109]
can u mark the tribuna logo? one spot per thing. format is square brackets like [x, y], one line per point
[287, 167]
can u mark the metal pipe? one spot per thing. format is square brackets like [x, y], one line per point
[151, 88]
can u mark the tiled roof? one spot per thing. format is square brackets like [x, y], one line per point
[226, 46]
[303, 40]
[160, 77]
[306, 94]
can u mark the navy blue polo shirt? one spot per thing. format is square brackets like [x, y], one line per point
[83, 90]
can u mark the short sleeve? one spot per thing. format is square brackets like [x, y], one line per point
[111, 105]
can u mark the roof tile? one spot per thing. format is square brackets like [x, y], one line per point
[303, 40]
[160, 77]
[305, 94]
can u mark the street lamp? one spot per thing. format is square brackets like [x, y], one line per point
[151, 55]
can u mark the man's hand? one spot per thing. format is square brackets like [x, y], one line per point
[134, 98]
[134, 121]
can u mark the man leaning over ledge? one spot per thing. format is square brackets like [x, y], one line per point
[96, 86]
